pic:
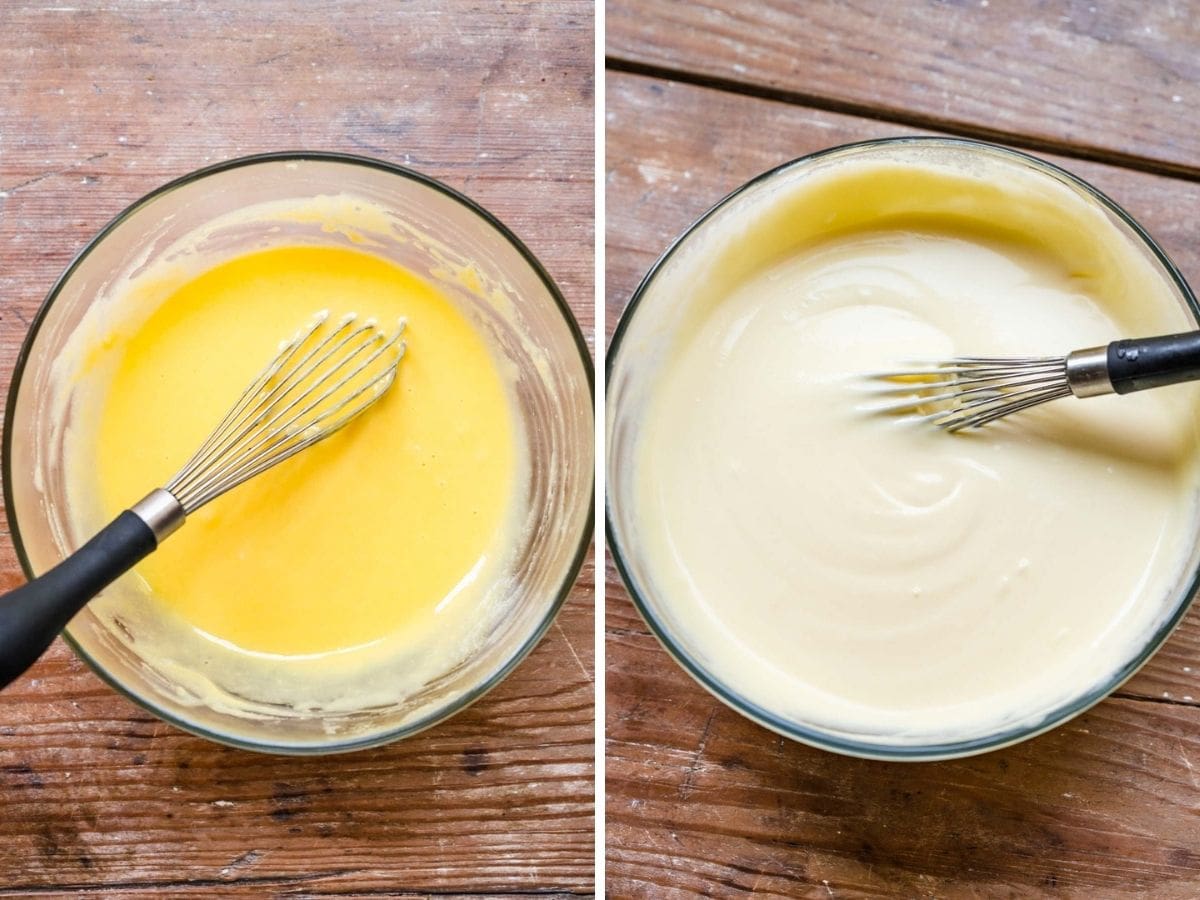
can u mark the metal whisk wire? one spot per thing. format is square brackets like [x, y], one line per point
[318, 382]
[971, 391]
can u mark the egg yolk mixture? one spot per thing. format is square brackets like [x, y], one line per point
[384, 533]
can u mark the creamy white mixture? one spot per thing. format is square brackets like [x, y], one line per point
[869, 575]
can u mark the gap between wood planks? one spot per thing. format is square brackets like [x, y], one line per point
[907, 117]
[1165, 701]
[34, 890]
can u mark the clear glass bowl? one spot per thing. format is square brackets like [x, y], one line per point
[641, 341]
[530, 325]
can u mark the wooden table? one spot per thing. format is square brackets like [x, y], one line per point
[700, 97]
[100, 102]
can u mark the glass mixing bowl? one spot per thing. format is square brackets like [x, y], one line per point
[427, 228]
[643, 340]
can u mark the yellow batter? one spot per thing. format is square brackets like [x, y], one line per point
[377, 543]
[867, 574]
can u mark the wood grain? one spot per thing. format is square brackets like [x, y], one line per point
[1118, 81]
[699, 798]
[102, 102]
[99, 104]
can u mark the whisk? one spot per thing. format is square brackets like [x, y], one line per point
[970, 391]
[322, 378]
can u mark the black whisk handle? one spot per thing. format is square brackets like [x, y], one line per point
[1141, 363]
[32, 615]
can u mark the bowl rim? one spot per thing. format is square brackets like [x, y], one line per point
[828, 739]
[285, 156]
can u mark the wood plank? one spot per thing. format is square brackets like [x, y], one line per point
[1109, 804]
[100, 103]
[307, 889]
[304, 891]
[1110, 80]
